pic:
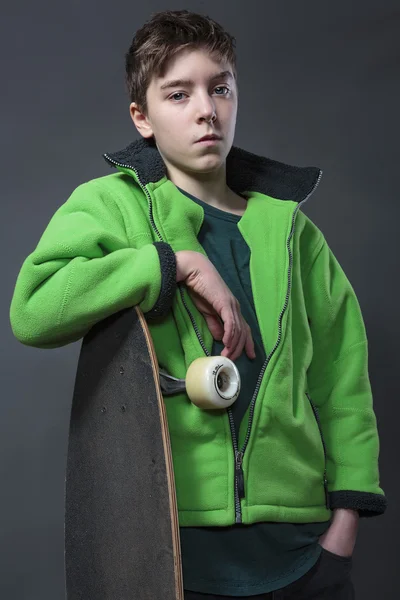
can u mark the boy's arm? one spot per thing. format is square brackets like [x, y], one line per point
[84, 269]
[339, 385]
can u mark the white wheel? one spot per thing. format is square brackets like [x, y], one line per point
[213, 382]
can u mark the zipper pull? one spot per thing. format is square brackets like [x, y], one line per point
[327, 498]
[239, 474]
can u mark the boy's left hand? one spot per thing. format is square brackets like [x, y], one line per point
[341, 536]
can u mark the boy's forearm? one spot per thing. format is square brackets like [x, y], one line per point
[341, 536]
[345, 516]
[57, 301]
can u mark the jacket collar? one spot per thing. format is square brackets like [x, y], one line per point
[245, 171]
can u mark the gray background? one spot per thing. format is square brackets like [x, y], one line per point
[319, 85]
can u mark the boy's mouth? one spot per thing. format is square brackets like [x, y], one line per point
[211, 137]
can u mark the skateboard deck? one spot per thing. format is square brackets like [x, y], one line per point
[121, 524]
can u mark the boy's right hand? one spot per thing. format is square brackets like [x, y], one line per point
[216, 302]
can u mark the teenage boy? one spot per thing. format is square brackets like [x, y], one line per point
[209, 240]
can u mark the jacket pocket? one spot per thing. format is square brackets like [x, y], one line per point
[325, 480]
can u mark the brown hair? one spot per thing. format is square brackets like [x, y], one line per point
[163, 36]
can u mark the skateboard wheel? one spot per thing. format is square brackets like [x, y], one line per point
[213, 382]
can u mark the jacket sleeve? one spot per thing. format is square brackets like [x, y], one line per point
[83, 269]
[339, 385]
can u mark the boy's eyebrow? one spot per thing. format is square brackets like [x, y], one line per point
[190, 82]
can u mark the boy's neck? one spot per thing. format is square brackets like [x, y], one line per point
[211, 188]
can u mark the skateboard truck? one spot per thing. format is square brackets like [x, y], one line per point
[211, 382]
[171, 385]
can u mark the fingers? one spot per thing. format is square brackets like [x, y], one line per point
[245, 343]
[249, 344]
[232, 326]
[236, 350]
[220, 308]
[215, 326]
[237, 334]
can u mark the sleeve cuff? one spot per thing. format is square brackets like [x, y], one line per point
[168, 281]
[367, 504]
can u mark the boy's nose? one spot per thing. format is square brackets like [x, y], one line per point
[207, 112]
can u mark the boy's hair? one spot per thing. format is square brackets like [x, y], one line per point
[163, 36]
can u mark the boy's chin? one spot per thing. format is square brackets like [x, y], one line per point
[207, 164]
[205, 170]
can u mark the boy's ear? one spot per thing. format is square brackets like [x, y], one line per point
[140, 121]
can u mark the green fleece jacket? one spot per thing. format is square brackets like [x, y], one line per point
[309, 441]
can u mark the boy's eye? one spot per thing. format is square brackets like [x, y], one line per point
[176, 94]
[220, 87]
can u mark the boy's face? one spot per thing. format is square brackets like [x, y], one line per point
[201, 99]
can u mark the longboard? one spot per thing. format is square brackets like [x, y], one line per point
[121, 524]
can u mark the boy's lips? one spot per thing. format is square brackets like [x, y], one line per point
[208, 138]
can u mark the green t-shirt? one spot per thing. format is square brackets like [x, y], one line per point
[243, 560]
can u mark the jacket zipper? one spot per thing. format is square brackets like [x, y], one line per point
[325, 480]
[239, 475]
[114, 162]
[239, 491]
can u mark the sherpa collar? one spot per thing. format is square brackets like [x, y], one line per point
[244, 171]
